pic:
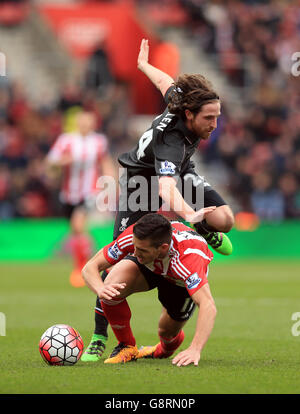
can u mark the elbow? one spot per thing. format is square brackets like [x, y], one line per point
[84, 273]
[212, 309]
[211, 305]
[161, 84]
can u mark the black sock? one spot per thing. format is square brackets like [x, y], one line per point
[203, 228]
[101, 322]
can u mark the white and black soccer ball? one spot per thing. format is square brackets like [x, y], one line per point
[61, 345]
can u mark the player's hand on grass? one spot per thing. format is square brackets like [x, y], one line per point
[110, 291]
[199, 215]
[144, 53]
[186, 357]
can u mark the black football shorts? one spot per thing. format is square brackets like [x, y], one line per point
[176, 299]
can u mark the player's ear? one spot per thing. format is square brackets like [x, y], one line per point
[164, 248]
[188, 114]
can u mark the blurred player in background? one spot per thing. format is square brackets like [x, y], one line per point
[83, 156]
[164, 151]
[153, 253]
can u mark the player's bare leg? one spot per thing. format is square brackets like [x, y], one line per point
[171, 337]
[221, 219]
[214, 227]
[80, 245]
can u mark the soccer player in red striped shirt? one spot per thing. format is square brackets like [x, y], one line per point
[83, 156]
[154, 253]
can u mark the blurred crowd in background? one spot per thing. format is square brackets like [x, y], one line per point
[27, 134]
[252, 43]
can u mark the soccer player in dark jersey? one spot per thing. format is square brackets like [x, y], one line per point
[164, 152]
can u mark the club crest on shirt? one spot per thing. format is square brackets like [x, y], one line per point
[193, 281]
[114, 252]
[167, 167]
[123, 223]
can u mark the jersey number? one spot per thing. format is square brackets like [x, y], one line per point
[187, 306]
[144, 141]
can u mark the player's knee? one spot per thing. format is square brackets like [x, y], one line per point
[227, 221]
[84, 272]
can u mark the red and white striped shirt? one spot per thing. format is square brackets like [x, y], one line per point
[186, 264]
[79, 177]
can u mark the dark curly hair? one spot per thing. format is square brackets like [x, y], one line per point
[191, 92]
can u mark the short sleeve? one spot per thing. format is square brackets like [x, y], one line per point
[197, 264]
[119, 248]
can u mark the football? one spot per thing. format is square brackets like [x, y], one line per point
[61, 345]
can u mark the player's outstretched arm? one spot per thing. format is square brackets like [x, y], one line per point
[172, 196]
[205, 323]
[91, 276]
[159, 78]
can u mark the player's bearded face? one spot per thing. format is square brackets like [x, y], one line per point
[205, 121]
[146, 253]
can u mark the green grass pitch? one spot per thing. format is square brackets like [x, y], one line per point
[251, 350]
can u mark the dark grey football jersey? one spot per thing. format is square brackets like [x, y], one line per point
[164, 149]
